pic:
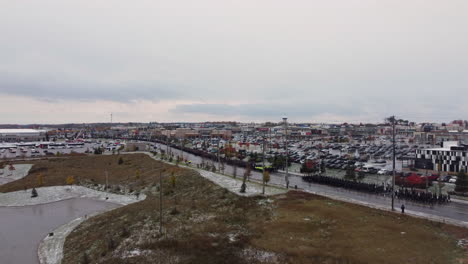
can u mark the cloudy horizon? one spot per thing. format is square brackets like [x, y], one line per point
[167, 61]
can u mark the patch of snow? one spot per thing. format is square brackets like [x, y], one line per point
[58, 193]
[20, 171]
[131, 253]
[234, 185]
[260, 255]
[232, 237]
[463, 243]
[265, 201]
[50, 250]
[135, 253]
[201, 218]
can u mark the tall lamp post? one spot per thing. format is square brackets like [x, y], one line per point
[285, 121]
[392, 119]
[263, 164]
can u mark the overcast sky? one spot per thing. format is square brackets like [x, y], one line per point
[245, 60]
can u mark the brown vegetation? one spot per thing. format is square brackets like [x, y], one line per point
[88, 169]
[204, 223]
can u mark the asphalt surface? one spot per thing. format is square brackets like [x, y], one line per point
[457, 211]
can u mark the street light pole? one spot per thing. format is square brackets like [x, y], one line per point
[285, 120]
[427, 182]
[167, 145]
[263, 165]
[394, 161]
[160, 203]
[217, 154]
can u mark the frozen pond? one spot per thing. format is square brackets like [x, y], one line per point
[22, 228]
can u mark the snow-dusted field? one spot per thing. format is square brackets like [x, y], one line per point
[20, 171]
[58, 193]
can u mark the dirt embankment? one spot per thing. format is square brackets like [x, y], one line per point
[204, 223]
[90, 170]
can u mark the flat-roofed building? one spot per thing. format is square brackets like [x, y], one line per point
[452, 157]
[18, 135]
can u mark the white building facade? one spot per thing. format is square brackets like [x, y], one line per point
[18, 135]
[452, 157]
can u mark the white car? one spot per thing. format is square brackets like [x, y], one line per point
[383, 172]
[453, 179]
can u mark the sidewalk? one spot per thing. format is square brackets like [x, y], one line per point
[453, 200]
[230, 183]
[219, 179]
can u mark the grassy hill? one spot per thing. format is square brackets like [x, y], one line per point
[204, 223]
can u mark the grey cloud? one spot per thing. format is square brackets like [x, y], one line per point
[354, 57]
[52, 88]
[272, 110]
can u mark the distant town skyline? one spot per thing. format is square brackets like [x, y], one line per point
[163, 61]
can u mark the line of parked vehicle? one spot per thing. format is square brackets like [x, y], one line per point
[343, 163]
[34, 149]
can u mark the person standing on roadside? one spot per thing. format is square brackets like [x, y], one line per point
[402, 208]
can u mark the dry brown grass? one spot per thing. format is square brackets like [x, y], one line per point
[212, 225]
[89, 169]
[311, 229]
[197, 233]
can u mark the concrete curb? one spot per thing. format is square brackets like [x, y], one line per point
[430, 217]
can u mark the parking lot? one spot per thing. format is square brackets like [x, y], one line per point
[39, 149]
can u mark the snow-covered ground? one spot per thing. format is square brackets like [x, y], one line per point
[58, 193]
[20, 171]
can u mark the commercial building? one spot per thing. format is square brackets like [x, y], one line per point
[18, 135]
[437, 137]
[452, 157]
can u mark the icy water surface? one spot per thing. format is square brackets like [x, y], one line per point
[23, 228]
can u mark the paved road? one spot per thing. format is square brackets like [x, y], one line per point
[454, 210]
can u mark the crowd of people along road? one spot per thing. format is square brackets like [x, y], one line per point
[402, 194]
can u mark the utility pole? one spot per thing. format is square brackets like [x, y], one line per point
[263, 166]
[219, 159]
[285, 120]
[427, 182]
[167, 145]
[160, 204]
[182, 145]
[269, 140]
[394, 161]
